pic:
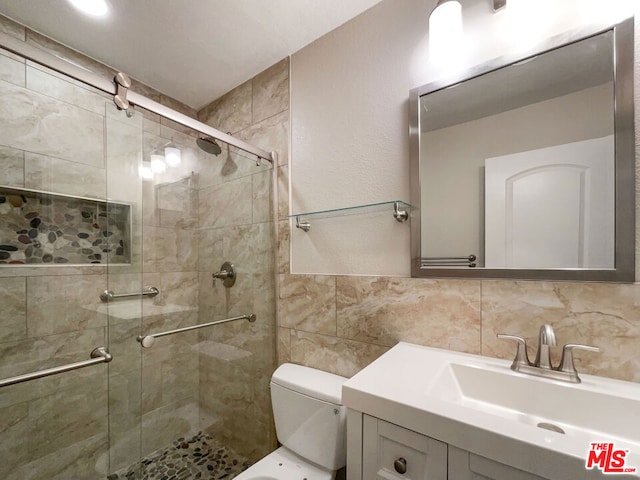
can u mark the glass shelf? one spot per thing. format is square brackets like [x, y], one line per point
[399, 209]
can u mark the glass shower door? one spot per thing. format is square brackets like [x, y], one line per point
[55, 225]
[124, 249]
[205, 409]
[98, 209]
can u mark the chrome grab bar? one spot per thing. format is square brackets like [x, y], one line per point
[108, 296]
[148, 340]
[98, 355]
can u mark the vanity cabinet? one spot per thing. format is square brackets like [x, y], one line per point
[465, 417]
[391, 452]
[465, 465]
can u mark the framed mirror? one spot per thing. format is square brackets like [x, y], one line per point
[524, 167]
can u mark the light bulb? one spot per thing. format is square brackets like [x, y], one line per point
[157, 163]
[173, 156]
[95, 8]
[446, 35]
[145, 171]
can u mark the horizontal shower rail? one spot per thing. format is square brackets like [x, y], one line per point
[470, 258]
[452, 264]
[109, 296]
[98, 355]
[448, 261]
[61, 65]
[148, 340]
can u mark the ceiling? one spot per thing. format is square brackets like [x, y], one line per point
[192, 50]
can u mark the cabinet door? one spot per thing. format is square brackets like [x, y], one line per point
[464, 465]
[391, 452]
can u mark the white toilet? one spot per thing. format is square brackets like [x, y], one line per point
[310, 425]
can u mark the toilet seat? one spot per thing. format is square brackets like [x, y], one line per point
[283, 464]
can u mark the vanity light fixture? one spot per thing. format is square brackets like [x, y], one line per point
[446, 36]
[446, 17]
[448, 13]
[498, 4]
[95, 8]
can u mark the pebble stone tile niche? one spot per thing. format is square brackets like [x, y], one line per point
[38, 228]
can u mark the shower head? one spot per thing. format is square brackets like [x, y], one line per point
[209, 145]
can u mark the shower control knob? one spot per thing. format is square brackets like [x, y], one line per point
[227, 274]
[400, 465]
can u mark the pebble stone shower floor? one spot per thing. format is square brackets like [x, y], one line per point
[199, 457]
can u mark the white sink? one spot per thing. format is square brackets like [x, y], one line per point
[479, 404]
[594, 407]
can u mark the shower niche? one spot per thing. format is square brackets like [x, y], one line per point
[41, 228]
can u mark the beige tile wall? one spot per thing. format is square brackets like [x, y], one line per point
[236, 213]
[340, 324]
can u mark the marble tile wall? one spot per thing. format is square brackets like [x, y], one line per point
[236, 212]
[356, 319]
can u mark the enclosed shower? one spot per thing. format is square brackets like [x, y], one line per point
[122, 355]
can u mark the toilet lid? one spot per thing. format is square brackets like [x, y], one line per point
[310, 381]
[283, 464]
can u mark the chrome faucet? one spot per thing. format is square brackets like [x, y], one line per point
[542, 367]
[546, 339]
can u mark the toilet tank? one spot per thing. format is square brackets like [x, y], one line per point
[308, 414]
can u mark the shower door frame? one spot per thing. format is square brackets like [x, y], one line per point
[60, 65]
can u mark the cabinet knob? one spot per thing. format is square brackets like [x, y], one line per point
[400, 465]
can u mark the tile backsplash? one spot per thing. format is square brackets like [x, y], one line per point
[357, 319]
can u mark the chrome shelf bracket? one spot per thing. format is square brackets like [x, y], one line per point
[305, 226]
[399, 214]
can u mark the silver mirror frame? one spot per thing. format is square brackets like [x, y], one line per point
[624, 271]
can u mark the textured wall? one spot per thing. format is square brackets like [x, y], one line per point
[349, 95]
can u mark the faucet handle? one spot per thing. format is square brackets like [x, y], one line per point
[566, 362]
[521, 354]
